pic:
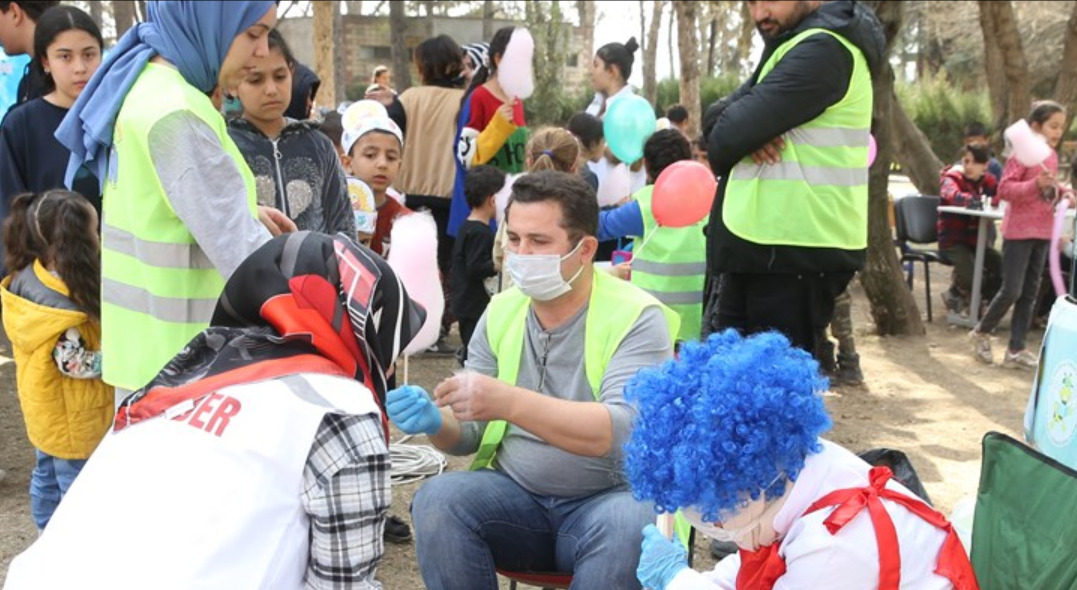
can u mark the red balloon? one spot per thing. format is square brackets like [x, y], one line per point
[683, 194]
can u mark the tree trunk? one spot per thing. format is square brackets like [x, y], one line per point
[642, 25]
[324, 41]
[650, 55]
[428, 6]
[487, 20]
[1066, 85]
[398, 26]
[340, 69]
[586, 8]
[672, 64]
[913, 150]
[893, 307]
[712, 38]
[123, 11]
[1004, 62]
[96, 11]
[744, 40]
[685, 11]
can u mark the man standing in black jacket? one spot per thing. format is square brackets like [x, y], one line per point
[789, 223]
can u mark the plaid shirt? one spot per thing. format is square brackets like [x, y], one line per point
[957, 190]
[346, 494]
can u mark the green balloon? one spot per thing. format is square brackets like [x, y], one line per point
[628, 123]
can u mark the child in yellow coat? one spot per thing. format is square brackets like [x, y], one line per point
[51, 308]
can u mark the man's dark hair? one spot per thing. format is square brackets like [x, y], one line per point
[33, 8]
[579, 206]
[976, 129]
[980, 153]
[481, 183]
[677, 114]
[587, 129]
[439, 61]
[664, 148]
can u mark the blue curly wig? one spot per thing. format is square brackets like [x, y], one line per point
[724, 420]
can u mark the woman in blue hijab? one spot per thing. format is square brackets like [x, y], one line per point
[179, 201]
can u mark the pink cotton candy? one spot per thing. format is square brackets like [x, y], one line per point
[413, 256]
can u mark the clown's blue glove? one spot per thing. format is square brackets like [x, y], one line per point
[661, 560]
[412, 410]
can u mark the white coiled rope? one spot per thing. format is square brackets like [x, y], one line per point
[412, 463]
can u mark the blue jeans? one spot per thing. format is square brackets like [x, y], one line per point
[51, 479]
[468, 523]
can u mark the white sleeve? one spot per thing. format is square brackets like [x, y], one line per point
[722, 577]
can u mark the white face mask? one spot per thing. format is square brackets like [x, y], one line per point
[539, 275]
[720, 534]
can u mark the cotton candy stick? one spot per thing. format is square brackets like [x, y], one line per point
[1054, 256]
[664, 523]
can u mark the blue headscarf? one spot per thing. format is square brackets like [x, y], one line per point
[193, 36]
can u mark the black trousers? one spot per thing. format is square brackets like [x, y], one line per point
[800, 306]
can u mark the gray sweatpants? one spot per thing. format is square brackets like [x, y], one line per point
[1022, 269]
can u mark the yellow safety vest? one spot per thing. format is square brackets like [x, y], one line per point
[158, 288]
[817, 195]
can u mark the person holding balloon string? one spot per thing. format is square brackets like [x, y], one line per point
[670, 260]
[610, 70]
[730, 433]
[1030, 187]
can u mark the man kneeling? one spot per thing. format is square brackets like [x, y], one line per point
[542, 405]
[258, 457]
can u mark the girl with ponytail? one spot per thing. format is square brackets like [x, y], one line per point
[610, 71]
[52, 306]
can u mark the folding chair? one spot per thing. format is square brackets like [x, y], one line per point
[916, 221]
[1023, 533]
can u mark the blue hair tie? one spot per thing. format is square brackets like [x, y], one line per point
[548, 153]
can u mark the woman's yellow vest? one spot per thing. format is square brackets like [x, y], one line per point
[65, 417]
[817, 195]
[672, 266]
[158, 288]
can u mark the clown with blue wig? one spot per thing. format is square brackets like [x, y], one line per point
[730, 434]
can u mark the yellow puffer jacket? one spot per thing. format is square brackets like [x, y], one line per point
[65, 417]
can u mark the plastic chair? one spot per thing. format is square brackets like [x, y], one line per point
[917, 217]
[544, 580]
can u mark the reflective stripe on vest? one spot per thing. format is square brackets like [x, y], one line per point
[672, 266]
[153, 253]
[159, 288]
[817, 195]
[506, 323]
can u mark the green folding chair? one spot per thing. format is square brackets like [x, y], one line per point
[1024, 534]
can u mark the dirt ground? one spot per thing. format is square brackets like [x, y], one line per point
[925, 396]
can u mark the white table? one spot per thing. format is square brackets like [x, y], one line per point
[986, 216]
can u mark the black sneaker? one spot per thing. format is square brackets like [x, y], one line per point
[396, 530]
[440, 347]
[952, 301]
[849, 372]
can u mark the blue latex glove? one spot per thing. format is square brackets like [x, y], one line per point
[661, 559]
[412, 410]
